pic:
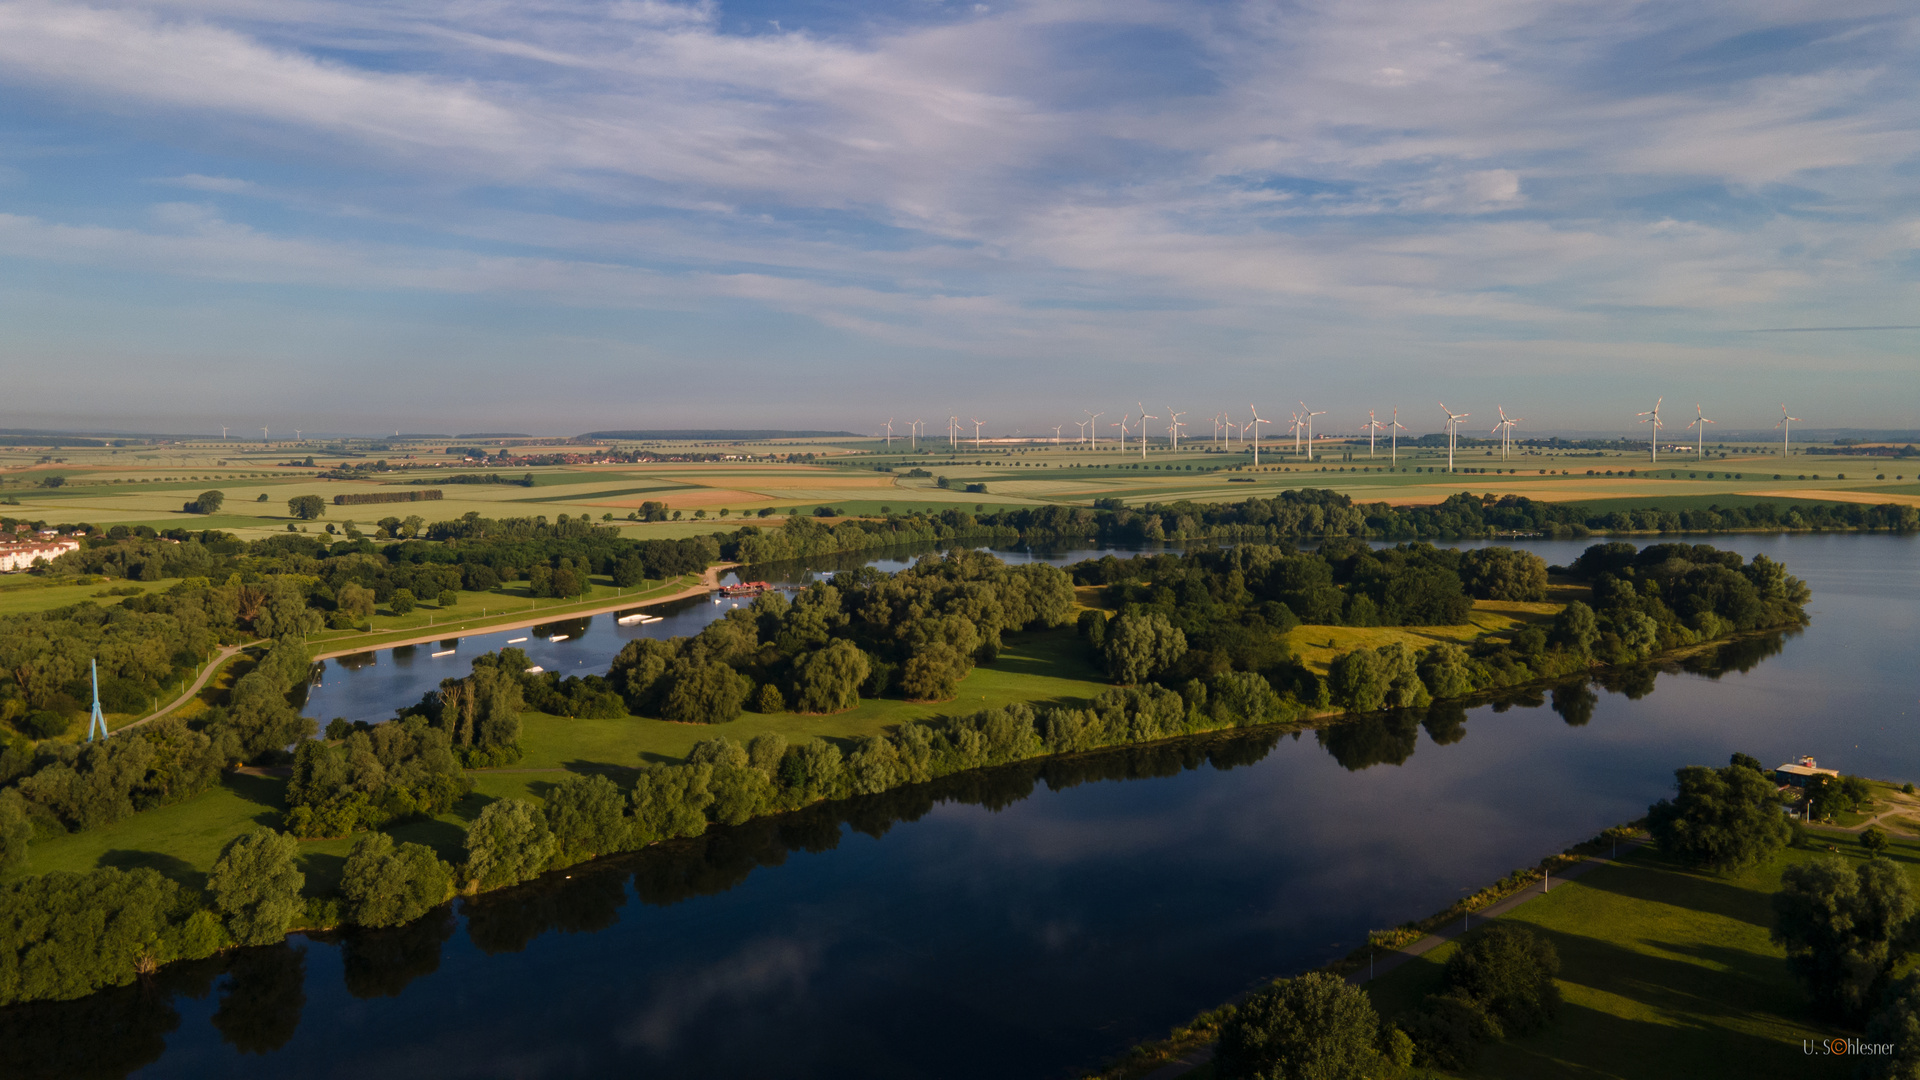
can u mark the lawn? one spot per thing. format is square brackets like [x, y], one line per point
[1666, 972]
[24, 595]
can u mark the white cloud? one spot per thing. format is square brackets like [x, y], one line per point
[1003, 183]
[225, 185]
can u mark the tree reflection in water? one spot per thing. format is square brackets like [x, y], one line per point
[261, 997]
[118, 1031]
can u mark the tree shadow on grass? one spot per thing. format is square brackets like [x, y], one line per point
[323, 870]
[171, 867]
[268, 792]
[612, 771]
[1650, 880]
[1587, 1044]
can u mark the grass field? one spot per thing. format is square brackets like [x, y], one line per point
[1666, 972]
[184, 839]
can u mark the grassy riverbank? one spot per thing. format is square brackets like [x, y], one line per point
[1665, 972]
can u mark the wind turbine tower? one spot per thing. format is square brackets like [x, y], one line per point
[263, 435]
[1093, 422]
[1373, 429]
[1056, 433]
[976, 434]
[1310, 416]
[1653, 430]
[1397, 428]
[99, 720]
[1504, 429]
[223, 433]
[1786, 430]
[889, 432]
[1144, 417]
[1453, 431]
[1700, 423]
[1173, 428]
[1255, 425]
[913, 433]
[953, 433]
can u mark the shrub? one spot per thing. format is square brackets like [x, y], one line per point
[256, 888]
[386, 885]
[508, 843]
[1720, 818]
[1843, 928]
[1316, 1025]
[1510, 971]
[587, 816]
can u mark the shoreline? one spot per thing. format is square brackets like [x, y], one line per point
[709, 581]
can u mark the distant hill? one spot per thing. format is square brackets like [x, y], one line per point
[492, 435]
[712, 434]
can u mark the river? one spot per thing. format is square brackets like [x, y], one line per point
[1019, 922]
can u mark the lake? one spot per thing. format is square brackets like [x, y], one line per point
[1018, 922]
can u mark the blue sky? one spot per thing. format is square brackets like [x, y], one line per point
[561, 216]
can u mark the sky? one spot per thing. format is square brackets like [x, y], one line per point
[558, 216]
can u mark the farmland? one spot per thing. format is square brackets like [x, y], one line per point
[148, 485]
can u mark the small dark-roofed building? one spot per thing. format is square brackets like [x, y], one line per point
[1801, 771]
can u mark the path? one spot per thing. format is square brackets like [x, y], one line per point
[1200, 1055]
[709, 581]
[220, 658]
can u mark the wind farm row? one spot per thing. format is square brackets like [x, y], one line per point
[1300, 431]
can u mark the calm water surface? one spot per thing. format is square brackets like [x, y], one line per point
[1020, 922]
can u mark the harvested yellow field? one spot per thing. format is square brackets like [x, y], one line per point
[1317, 646]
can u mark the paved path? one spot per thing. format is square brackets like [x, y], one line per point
[709, 581]
[1198, 1056]
[220, 658]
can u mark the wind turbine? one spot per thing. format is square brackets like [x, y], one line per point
[1173, 427]
[1144, 417]
[1653, 432]
[223, 433]
[1122, 425]
[1093, 418]
[1310, 416]
[1453, 431]
[1700, 422]
[1373, 428]
[1082, 424]
[953, 433]
[976, 434]
[296, 434]
[1504, 429]
[1228, 417]
[1398, 427]
[263, 433]
[1786, 429]
[913, 433]
[889, 432]
[1255, 425]
[1056, 433]
[1295, 431]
